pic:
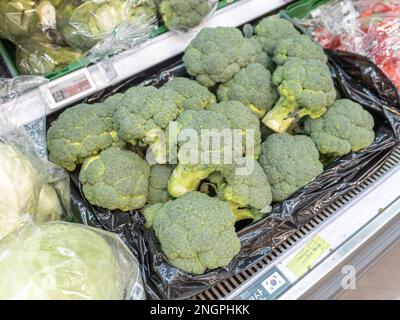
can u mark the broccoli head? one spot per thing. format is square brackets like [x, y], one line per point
[345, 127]
[217, 54]
[253, 87]
[142, 116]
[245, 121]
[190, 94]
[116, 179]
[200, 157]
[196, 232]
[299, 47]
[290, 162]
[273, 29]
[158, 183]
[183, 14]
[305, 88]
[80, 132]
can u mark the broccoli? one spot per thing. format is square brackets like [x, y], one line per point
[158, 183]
[217, 54]
[345, 127]
[142, 116]
[189, 172]
[196, 232]
[261, 56]
[191, 95]
[290, 162]
[253, 87]
[241, 118]
[299, 47]
[116, 179]
[183, 14]
[273, 29]
[80, 132]
[306, 89]
[248, 194]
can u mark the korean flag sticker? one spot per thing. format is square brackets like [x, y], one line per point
[273, 282]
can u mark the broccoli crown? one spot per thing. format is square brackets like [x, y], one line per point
[299, 47]
[143, 110]
[305, 88]
[290, 162]
[247, 192]
[158, 183]
[241, 118]
[80, 132]
[261, 56]
[115, 179]
[196, 232]
[217, 54]
[185, 14]
[345, 127]
[273, 29]
[190, 94]
[253, 87]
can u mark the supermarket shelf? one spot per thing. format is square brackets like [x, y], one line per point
[349, 236]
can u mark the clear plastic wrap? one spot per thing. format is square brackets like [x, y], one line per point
[51, 34]
[31, 188]
[65, 261]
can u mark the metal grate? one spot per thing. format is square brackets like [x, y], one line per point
[223, 288]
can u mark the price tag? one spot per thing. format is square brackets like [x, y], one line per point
[70, 88]
[305, 259]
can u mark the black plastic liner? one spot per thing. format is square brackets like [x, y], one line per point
[356, 78]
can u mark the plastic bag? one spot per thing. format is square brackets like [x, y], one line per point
[31, 188]
[183, 15]
[64, 261]
[52, 34]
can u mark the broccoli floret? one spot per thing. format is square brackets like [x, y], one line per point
[306, 89]
[196, 232]
[80, 132]
[261, 56]
[247, 192]
[273, 29]
[158, 183]
[217, 54]
[193, 167]
[115, 179]
[191, 95]
[142, 116]
[345, 127]
[290, 162]
[299, 47]
[241, 118]
[183, 14]
[253, 87]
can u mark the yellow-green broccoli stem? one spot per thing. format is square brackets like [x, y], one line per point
[258, 111]
[280, 118]
[187, 178]
[241, 213]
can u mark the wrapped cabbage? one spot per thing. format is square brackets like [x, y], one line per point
[64, 261]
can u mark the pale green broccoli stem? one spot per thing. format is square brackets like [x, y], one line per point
[281, 117]
[241, 213]
[157, 142]
[185, 179]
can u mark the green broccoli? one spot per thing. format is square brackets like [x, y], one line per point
[306, 89]
[253, 87]
[116, 179]
[217, 54]
[273, 29]
[196, 232]
[193, 167]
[80, 132]
[142, 116]
[144, 11]
[290, 162]
[183, 14]
[299, 47]
[261, 56]
[158, 183]
[345, 127]
[241, 118]
[191, 95]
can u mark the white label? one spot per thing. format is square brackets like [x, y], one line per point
[273, 282]
[70, 88]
